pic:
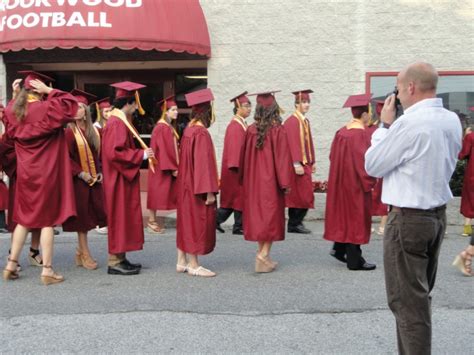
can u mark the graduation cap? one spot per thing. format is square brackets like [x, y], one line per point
[358, 104]
[103, 103]
[266, 99]
[129, 89]
[83, 97]
[379, 106]
[240, 99]
[302, 95]
[100, 105]
[32, 75]
[166, 104]
[200, 100]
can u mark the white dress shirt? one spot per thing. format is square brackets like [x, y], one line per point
[416, 156]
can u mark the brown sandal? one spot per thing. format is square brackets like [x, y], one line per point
[53, 279]
[153, 227]
[10, 274]
[463, 262]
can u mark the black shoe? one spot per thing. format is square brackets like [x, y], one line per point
[365, 267]
[238, 232]
[123, 269]
[341, 258]
[137, 265]
[219, 228]
[299, 229]
[56, 232]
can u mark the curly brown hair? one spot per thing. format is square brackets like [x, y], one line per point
[265, 118]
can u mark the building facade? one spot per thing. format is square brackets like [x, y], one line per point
[336, 48]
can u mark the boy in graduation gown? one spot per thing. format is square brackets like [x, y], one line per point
[83, 140]
[378, 207]
[121, 161]
[231, 190]
[162, 190]
[265, 175]
[348, 205]
[197, 187]
[44, 194]
[300, 141]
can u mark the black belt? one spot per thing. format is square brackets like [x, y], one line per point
[416, 210]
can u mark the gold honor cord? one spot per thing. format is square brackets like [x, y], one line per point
[175, 136]
[240, 121]
[85, 155]
[304, 137]
[118, 113]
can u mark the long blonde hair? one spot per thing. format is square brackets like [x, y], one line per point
[21, 104]
[90, 133]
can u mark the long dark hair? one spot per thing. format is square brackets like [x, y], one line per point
[204, 116]
[265, 118]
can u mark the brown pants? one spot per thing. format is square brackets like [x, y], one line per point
[411, 248]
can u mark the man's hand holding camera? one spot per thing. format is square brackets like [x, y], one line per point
[389, 111]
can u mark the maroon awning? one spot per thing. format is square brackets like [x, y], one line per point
[163, 25]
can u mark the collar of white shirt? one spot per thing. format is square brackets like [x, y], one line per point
[435, 102]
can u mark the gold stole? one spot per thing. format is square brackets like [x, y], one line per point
[304, 137]
[195, 122]
[355, 123]
[240, 121]
[176, 137]
[121, 116]
[85, 154]
[32, 98]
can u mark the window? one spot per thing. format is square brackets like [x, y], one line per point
[455, 88]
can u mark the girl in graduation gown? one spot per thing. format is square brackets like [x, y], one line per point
[8, 159]
[266, 177]
[197, 187]
[162, 193]
[44, 191]
[83, 142]
[467, 195]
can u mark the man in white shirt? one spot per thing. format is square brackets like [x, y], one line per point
[416, 156]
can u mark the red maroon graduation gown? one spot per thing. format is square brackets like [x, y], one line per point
[197, 175]
[89, 199]
[3, 196]
[162, 194]
[44, 194]
[231, 190]
[121, 161]
[349, 197]
[265, 172]
[8, 159]
[378, 207]
[467, 196]
[301, 194]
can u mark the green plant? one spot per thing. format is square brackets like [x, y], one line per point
[457, 179]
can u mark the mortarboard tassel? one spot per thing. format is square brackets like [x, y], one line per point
[141, 111]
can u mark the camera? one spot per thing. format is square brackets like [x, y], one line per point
[398, 105]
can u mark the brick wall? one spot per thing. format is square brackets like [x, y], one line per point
[327, 46]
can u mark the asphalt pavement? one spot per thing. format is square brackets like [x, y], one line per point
[311, 304]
